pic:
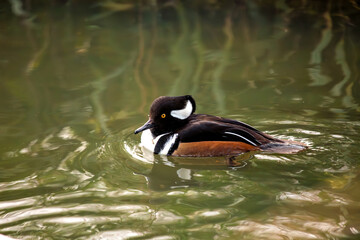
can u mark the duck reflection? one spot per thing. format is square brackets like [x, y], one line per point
[178, 172]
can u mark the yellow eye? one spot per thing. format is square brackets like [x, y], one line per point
[163, 115]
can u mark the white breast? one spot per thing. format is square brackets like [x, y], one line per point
[147, 140]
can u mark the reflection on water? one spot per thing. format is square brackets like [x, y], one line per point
[78, 78]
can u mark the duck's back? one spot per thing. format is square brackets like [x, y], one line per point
[207, 135]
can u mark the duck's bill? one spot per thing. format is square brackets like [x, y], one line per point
[147, 125]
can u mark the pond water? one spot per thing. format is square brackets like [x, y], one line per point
[78, 78]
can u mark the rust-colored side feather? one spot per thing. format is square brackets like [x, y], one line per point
[213, 148]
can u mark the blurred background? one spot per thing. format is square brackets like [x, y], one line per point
[78, 77]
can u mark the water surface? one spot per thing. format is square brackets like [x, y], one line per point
[77, 79]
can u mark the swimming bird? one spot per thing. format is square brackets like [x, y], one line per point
[174, 129]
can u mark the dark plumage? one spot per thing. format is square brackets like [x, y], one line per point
[174, 129]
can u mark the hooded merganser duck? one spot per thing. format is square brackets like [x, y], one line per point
[173, 129]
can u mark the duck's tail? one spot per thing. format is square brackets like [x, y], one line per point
[284, 147]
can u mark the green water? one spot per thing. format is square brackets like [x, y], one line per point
[78, 78]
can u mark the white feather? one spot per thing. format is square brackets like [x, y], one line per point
[169, 143]
[242, 138]
[183, 113]
[149, 142]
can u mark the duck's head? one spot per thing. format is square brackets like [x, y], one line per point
[167, 114]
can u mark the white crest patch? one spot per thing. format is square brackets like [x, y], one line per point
[183, 113]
